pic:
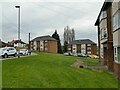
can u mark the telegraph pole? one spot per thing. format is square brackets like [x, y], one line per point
[29, 46]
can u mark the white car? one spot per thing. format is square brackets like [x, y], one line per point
[66, 54]
[8, 51]
[74, 54]
[23, 52]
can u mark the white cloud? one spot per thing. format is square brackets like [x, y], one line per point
[43, 18]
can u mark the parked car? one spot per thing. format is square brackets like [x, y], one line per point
[23, 52]
[66, 54]
[74, 54]
[82, 55]
[93, 56]
[8, 51]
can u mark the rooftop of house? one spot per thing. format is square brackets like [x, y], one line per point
[82, 41]
[44, 38]
[1, 42]
[16, 41]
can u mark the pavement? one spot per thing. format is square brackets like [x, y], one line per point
[11, 57]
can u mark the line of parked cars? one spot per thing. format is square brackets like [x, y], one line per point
[11, 51]
[81, 55]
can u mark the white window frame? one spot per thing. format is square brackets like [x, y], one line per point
[116, 20]
[103, 32]
[116, 54]
[46, 49]
[103, 15]
[88, 44]
[88, 48]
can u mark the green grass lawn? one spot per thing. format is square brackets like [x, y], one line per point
[53, 71]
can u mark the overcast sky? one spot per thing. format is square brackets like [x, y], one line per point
[43, 17]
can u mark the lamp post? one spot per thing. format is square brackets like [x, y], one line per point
[18, 29]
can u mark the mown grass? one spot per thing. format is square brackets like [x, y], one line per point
[53, 71]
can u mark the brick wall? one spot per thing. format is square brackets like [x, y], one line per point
[52, 46]
[117, 69]
[94, 49]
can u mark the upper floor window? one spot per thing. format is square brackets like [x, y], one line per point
[103, 15]
[88, 48]
[116, 20]
[103, 33]
[46, 49]
[88, 44]
[46, 41]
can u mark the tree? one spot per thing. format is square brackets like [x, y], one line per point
[65, 46]
[56, 36]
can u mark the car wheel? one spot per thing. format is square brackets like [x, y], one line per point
[15, 55]
[5, 56]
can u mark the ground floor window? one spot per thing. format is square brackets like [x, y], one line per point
[101, 52]
[117, 54]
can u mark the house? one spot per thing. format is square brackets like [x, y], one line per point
[14, 43]
[2, 44]
[82, 46]
[44, 44]
[108, 23]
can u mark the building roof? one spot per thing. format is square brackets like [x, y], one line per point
[16, 41]
[44, 38]
[105, 5]
[2, 43]
[82, 41]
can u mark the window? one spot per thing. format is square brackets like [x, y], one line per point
[41, 49]
[74, 48]
[46, 49]
[46, 44]
[89, 52]
[103, 15]
[46, 41]
[41, 44]
[69, 48]
[117, 54]
[103, 33]
[116, 20]
[89, 45]
[88, 48]
[101, 52]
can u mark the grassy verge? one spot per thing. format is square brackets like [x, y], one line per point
[53, 71]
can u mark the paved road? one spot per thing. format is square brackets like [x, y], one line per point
[10, 57]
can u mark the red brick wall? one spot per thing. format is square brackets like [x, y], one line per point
[117, 69]
[94, 49]
[52, 46]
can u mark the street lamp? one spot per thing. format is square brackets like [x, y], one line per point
[18, 29]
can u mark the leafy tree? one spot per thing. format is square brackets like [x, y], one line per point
[56, 36]
[65, 46]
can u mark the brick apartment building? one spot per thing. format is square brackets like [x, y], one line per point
[108, 23]
[82, 46]
[44, 44]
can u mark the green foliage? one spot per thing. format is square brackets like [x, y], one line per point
[56, 36]
[53, 71]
